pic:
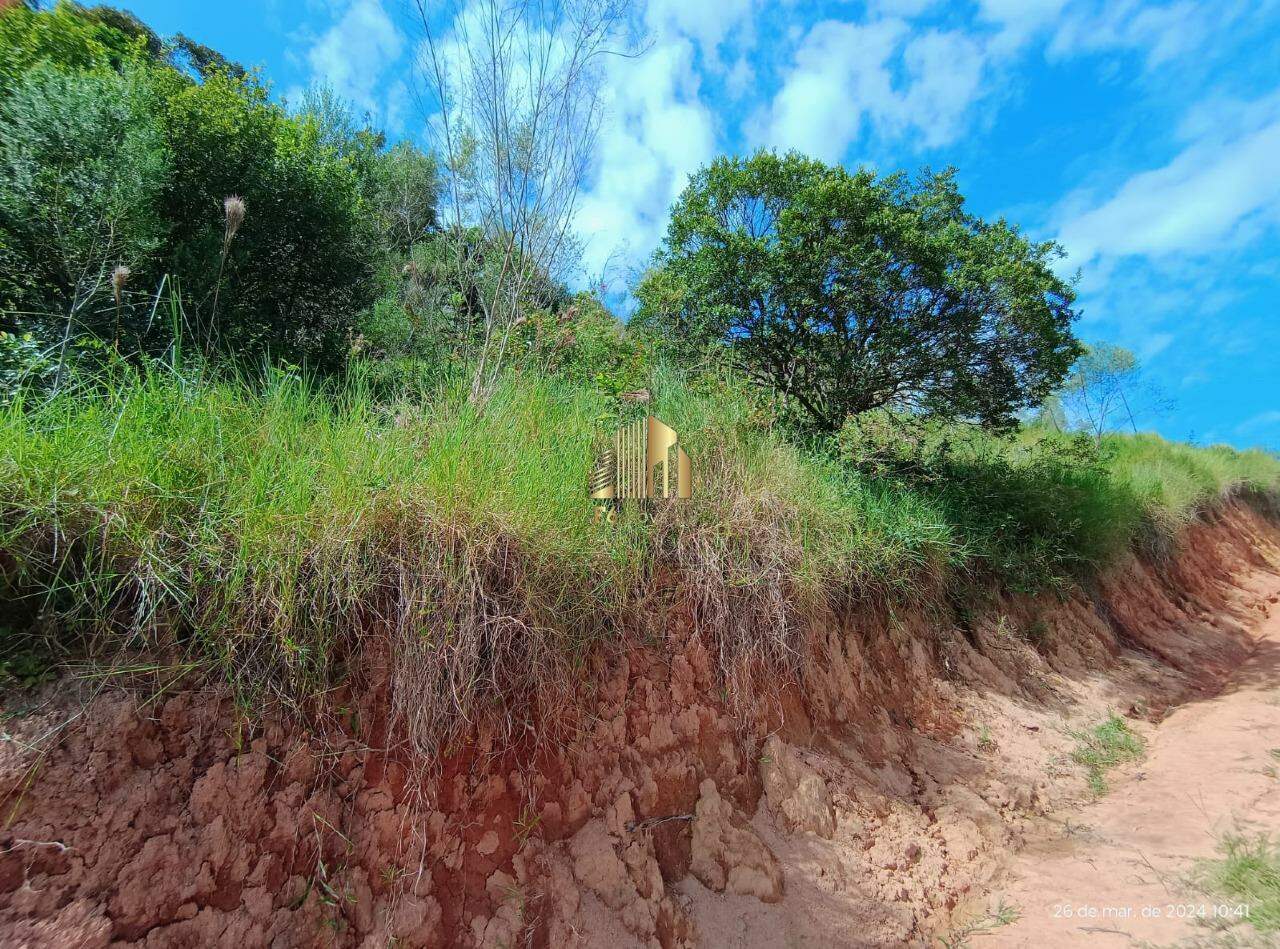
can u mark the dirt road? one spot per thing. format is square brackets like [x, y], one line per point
[1116, 872]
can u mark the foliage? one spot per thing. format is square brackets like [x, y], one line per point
[24, 662]
[98, 107]
[1031, 510]
[82, 167]
[847, 292]
[64, 37]
[302, 264]
[586, 344]
[431, 308]
[405, 185]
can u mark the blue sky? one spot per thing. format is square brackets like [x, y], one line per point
[1145, 137]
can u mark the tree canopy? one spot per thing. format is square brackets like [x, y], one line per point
[847, 292]
[118, 151]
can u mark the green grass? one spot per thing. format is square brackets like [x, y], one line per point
[1247, 873]
[1176, 481]
[270, 528]
[275, 530]
[1107, 745]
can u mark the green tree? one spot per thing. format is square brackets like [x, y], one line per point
[1100, 388]
[405, 187]
[846, 292]
[64, 36]
[82, 165]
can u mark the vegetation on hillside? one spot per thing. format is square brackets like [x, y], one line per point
[118, 152]
[260, 405]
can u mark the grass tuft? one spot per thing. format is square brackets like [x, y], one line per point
[1107, 745]
[1248, 873]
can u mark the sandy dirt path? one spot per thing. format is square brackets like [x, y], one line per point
[1115, 872]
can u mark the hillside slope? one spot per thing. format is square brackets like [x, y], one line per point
[874, 806]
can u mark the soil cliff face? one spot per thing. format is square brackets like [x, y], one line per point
[863, 807]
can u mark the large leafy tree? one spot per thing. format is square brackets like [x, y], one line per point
[848, 292]
[120, 149]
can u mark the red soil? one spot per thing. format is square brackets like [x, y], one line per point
[873, 806]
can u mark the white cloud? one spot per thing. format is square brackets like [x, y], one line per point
[841, 70]
[1259, 422]
[1164, 32]
[946, 71]
[1073, 27]
[658, 132]
[706, 21]
[353, 57]
[848, 78]
[1217, 191]
[1018, 20]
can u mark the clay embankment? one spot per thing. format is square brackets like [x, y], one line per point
[1123, 869]
[878, 805]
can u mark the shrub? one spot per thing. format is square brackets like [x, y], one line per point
[82, 166]
[94, 108]
[302, 263]
[1030, 510]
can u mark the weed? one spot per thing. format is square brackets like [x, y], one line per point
[392, 873]
[1248, 872]
[1105, 746]
[26, 667]
[525, 824]
[1004, 914]
[986, 743]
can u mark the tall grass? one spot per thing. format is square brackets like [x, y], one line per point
[1176, 481]
[271, 527]
[286, 534]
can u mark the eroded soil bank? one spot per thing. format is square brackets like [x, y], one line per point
[1124, 869]
[878, 805]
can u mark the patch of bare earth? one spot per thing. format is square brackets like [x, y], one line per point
[1120, 870]
[919, 773]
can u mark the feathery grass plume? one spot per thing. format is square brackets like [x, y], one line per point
[119, 277]
[233, 211]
